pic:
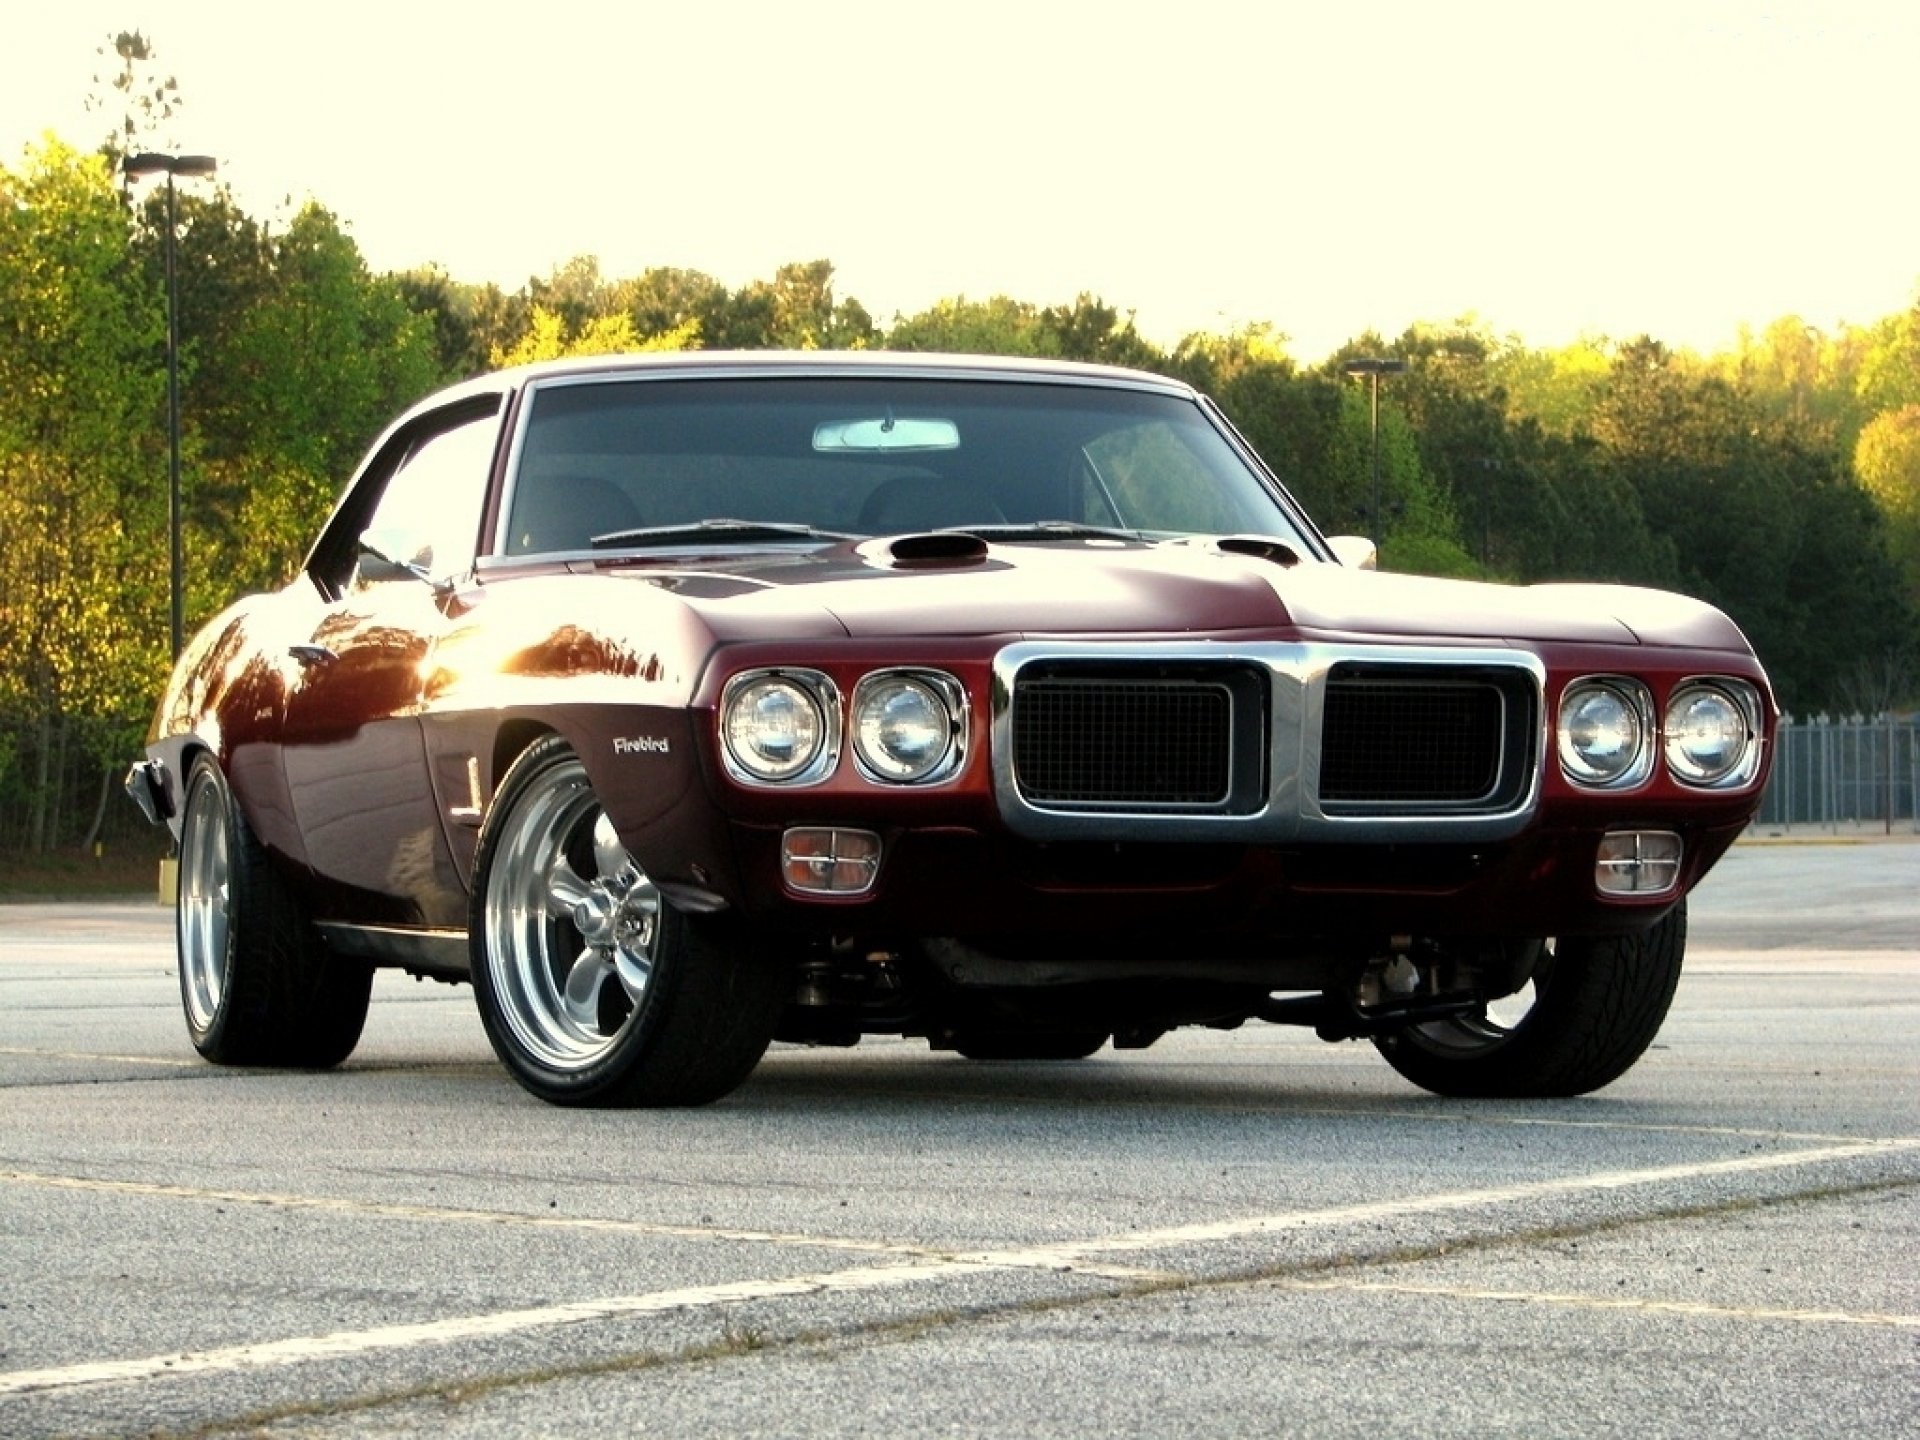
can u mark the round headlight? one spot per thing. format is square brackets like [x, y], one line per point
[775, 727]
[1603, 733]
[1707, 734]
[903, 727]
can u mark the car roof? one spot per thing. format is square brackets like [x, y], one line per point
[760, 364]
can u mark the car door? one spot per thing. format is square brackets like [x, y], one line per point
[352, 747]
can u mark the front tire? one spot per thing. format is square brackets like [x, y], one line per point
[1598, 1001]
[593, 989]
[258, 985]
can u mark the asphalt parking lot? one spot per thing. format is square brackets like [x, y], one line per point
[1236, 1234]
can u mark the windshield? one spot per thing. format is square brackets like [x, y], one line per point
[871, 456]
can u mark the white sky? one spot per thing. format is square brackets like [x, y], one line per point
[1676, 167]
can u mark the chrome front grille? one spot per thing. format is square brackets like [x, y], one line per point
[1266, 742]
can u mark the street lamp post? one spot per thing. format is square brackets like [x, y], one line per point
[192, 166]
[1373, 367]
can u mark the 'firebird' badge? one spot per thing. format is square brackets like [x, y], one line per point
[642, 745]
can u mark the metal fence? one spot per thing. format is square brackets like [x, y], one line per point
[1844, 774]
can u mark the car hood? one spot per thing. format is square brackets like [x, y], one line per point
[1084, 588]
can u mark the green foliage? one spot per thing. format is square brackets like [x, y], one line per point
[144, 102]
[82, 621]
[999, 326]
[1088, 330]
[1889, 369]
[547, 338]
[1887, 460]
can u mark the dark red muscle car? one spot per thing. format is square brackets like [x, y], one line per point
[686, 703]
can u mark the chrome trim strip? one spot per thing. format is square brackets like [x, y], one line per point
[1297, 679]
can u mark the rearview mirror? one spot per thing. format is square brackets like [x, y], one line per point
[889, 432]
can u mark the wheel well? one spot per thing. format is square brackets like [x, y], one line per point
[188, 756]
[516, 737]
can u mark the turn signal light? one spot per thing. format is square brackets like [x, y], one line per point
[826, 860]
[1638, 862]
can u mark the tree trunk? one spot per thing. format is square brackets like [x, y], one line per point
[57, 798]
[99, 811]
[42, 787]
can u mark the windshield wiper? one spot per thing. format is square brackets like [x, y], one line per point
[1041, 530]
[732, 532]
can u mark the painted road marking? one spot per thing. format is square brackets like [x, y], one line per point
[1069, 1257]
[1690, 1308]
[170, 1062]
[384, 1210]
[1211, 1232]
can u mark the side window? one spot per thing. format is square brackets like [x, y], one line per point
[432, 503]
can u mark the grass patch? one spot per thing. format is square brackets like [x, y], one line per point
[126, 867]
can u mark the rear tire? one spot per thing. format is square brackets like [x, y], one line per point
[258, 985]
[1598, 1003]
[593, 989]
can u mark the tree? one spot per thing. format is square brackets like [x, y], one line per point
[575, 292]
[82, 519]
[997, 326]
[802, 313]
[294, 385]
[1802, 379]
[1764, 524]
[463, 319]
[667, 299]
[548, 339]
[1094, 331]
[1553, 388]
[1887, 460]
[145, 102]
[1889, 375]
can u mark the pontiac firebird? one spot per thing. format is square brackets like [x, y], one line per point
[682, 704]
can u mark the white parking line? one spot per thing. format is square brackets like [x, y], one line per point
[1693, 1309]
[447, 1214]
[168, 1062]
[1214, 1231]
[1068, 1257]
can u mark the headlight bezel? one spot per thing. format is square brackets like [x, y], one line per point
[1743, 701]
[946, 695]
[1637, 702]
[819, 695]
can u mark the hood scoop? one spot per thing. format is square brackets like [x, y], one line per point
[1258, 547]
[934, 550]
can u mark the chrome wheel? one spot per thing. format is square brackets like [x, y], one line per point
[205, 903]
[1496, 1023]
[593, 989]
[572, 925]
[257, 986]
